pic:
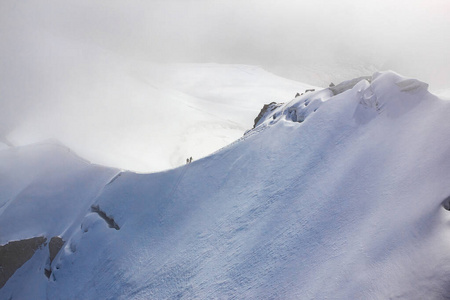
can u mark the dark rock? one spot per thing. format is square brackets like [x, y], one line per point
[331, 85]
[14, 254]
[54, 246]
[109, 220]
[267, 107]
[297, 95]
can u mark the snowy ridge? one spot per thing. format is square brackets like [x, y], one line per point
[330, 196]
[299, 108]
[43, 187]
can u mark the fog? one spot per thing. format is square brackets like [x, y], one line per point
[65, 56]
[410, 35]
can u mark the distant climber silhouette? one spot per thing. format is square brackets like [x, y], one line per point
[187, 160]
[190, 159]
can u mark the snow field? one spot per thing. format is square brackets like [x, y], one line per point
[339, 205]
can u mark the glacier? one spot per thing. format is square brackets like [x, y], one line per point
[331, 195]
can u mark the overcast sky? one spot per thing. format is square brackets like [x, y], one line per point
[412, 35]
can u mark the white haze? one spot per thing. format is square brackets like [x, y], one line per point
[60, 61]
[411, 35]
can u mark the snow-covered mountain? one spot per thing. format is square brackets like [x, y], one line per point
[338, 193]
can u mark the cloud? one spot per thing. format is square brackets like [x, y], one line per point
[264, 32]
[53, 53]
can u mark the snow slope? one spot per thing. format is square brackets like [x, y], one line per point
[329, 197]
[44, 188]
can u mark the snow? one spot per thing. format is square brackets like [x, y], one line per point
[31, 273]
[43, 190]
[443, 93]
[127, 113]
[346, 204]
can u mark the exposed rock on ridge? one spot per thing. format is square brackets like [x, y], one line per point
[14, 254]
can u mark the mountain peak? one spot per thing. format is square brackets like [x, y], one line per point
[349, 189]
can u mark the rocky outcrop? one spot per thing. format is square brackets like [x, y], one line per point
[109, 220]
[14, 254]
[266, 108]
[54, 246]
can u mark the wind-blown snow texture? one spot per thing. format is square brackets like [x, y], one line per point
[328, 197]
